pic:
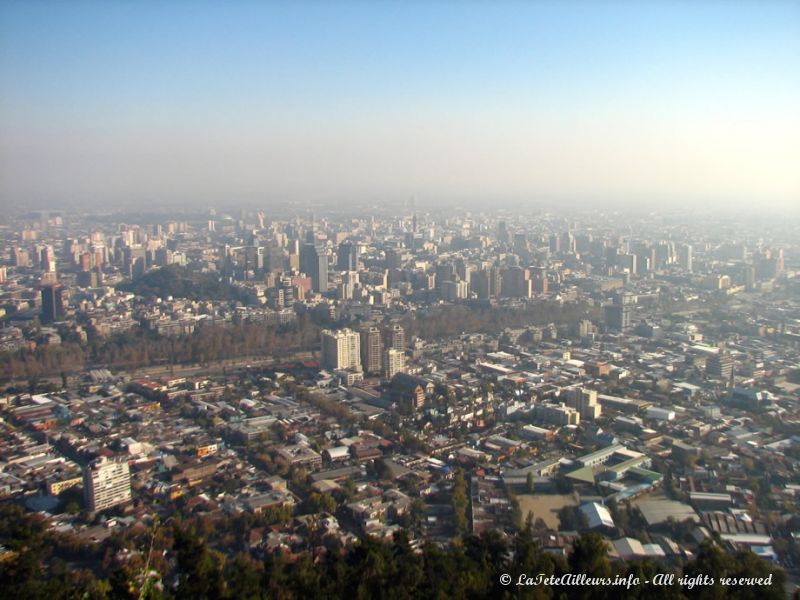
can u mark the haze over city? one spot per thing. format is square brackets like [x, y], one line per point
[208, 104]
[399, 300]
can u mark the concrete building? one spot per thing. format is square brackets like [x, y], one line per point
[396, 338]
[314, 263]
[106, 484]
[556, 414]
[52, 303]
[585, 402]
[395, 362]
[341, 349]
[720, 365]
[372, 350]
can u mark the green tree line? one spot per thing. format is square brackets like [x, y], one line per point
[178, 562]
[448, 321]
[138, 348]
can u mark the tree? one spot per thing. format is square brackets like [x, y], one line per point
[460, 502]
[198, 570]
[570, 518]
[530, 483]
[321, 502]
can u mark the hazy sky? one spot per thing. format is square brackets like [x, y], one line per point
[105, 103]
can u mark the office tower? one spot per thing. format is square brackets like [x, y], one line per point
[47, 259]
[627, 262]
[480, 284]
[106, 483]
[502, 232]
[644, 261]
[769, 265]
[685, 257]
[515, 283]
[89, 279]
[521, 244]
[720, 366]
[395, 362]
[463, 270]
[254, 259]
[396, 338]
[21, 258]
[495, 281]
[453, 291]
[344, 291]
[585, 402]
[52, 303]
[314, 263]
[394, 258]
[567, 242]
[347, 257]
[618, 317]
[584, 328]
[749, 277]
[664, 253]
[444, 272]
[135, 261]
[341, 349]
[372, 350]
[539, 280]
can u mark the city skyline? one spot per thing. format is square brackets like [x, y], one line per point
[116, 105]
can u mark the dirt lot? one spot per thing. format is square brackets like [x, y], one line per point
[545, 506]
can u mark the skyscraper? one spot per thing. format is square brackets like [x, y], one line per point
[314, 263]
[347, 257]
[685, 257]
[106, 483]
[52, 303]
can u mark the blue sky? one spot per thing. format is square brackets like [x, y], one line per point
[181, 102]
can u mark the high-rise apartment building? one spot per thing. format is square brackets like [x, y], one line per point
[396, 338]
[585, 402]
[395, 362]
[341, 349]
[372, 350]
[106, 484]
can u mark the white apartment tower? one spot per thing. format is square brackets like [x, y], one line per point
[106, 483]
[395, 362]
[341, 349]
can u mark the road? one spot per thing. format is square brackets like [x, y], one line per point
[218, 366]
